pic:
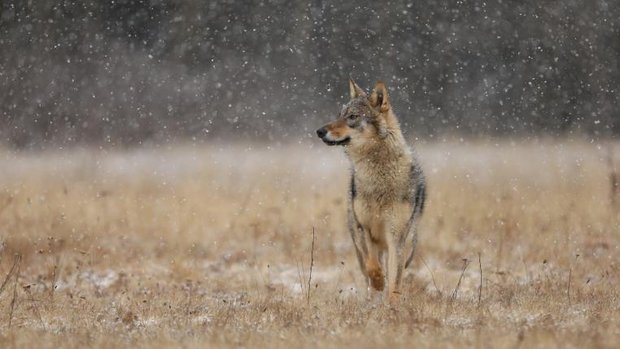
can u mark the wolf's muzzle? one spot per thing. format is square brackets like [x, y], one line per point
[323, 134]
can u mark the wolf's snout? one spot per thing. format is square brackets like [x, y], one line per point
[321, 132]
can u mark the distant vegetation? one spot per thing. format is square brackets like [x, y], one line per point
[128, 72]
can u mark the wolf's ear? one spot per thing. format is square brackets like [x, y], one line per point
[354, 90]
[379, 97]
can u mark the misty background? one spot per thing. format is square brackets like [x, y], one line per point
[123, 73]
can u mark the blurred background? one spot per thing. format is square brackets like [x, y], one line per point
[125, 73]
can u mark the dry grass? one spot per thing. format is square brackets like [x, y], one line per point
[194, 246]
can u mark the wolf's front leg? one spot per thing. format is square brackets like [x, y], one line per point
[395, 268]
[376, 278]
[373, 267]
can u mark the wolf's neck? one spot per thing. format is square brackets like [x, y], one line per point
[391, 149]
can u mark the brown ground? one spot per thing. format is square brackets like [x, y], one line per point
[211, 245]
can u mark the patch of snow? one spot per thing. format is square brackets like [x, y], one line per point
[103, 279]
[296, 281]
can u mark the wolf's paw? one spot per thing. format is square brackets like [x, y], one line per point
[394, 299]
[377, 281]
[374, 298]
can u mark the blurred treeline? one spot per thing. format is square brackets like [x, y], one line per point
[126, 72]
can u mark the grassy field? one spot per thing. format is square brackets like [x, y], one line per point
[195, 246]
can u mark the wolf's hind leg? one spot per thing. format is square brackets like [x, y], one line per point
[413, 238]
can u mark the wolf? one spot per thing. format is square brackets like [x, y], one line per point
[387, 190]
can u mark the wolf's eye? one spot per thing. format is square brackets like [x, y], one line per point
[352, 117]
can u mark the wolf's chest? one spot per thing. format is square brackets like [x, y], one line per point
[380, 184]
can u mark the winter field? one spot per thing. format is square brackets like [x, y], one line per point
[211, 246]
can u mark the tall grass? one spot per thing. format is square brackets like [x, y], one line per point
[213, 245]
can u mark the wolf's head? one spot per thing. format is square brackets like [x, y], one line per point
[364, 117]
